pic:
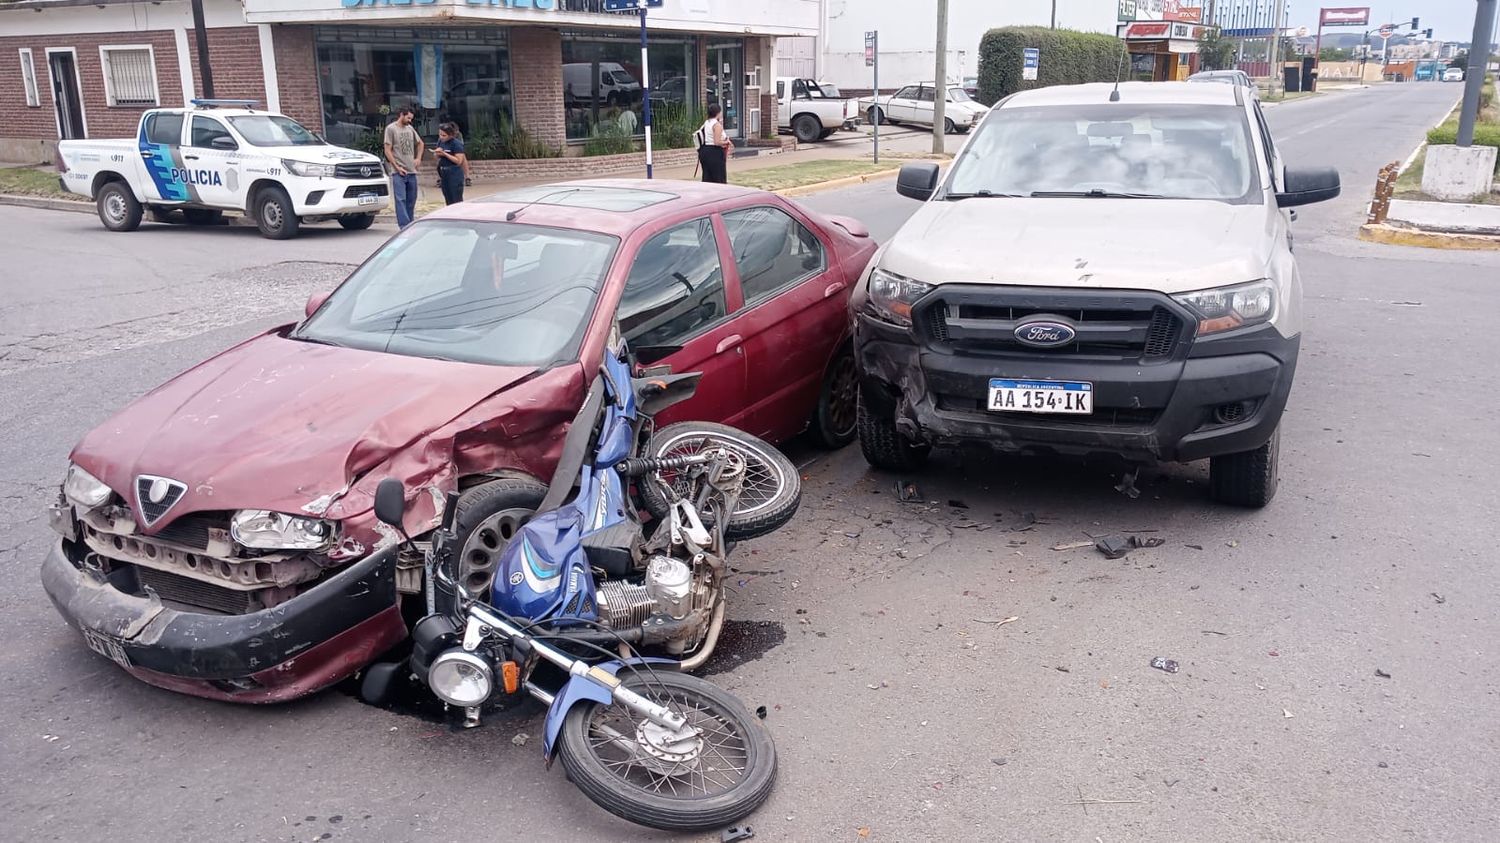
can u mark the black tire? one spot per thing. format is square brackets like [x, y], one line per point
[611, 790]
[836, 418]
[274, 215]
[826, 134]
[877, 115]
[357, 222]
[202, 216]
[807, 128]
[118, 208]
[486, 519]
[949, 127]
[1249, 478]
[883, 445]
[773, 488]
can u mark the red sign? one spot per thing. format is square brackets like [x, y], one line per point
[1179, 10]
[1359, 16]
[1154, 29]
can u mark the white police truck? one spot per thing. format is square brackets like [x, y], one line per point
[224, 155]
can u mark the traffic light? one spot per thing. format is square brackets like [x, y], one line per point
[1415, 22]
[1427, 33]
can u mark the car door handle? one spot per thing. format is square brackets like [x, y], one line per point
[728, 342]
[832, 289]
[190, 158]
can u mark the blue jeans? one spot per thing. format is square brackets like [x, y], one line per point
[404, 191]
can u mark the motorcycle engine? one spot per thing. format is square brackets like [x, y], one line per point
[667, 589]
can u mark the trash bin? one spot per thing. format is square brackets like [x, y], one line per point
[1292, 78]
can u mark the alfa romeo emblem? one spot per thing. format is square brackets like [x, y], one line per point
[158, 491]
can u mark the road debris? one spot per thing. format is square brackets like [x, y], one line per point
[1113, 546]
[1214, 632]
[736, 832]
[1001, 622]
[1382, 674]
[907, 492]
[1072, 545]
[520, 739]
[957, 504]
[1286, 713]
[1126, 486]
[1061, 669]
[1168, 665]
[1438, 598]
[999, 762]
[760, 712]
[1195, 546]
[1382, 765]
[863, 831]
[1232, 543]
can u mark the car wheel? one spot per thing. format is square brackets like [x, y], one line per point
[883, 445]
[949, 127]
[836, 419]
[807, 128]
[274, 215]
[826, 134]
[877, 116]
[487, 518]
[118, 208]
[1248, 478]
[357, 222]
[202, 216]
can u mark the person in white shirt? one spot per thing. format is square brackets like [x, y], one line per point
[713, 147]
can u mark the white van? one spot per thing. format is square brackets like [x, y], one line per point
[614, 86]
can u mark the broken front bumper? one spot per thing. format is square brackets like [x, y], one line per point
[288, 651]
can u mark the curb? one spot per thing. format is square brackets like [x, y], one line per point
[1395, 236]
[835, 184]
[46, 204]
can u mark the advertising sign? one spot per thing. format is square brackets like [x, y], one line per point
[1359, 16]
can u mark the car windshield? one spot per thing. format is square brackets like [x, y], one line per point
[273, 130]
[480, 292]
[621, 77]
[958, 95]
[1160, 151]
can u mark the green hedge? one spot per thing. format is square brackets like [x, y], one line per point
[1068, 58]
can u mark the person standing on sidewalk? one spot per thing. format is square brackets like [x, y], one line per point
[403, 149]
[713, 147]
[452, 163]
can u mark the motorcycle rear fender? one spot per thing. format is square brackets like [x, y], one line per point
[579, 689]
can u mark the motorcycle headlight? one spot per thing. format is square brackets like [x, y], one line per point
[85, 490]
[891, 296]
[1226, 308]
[263, 530]
[461, 678]
[304, 169]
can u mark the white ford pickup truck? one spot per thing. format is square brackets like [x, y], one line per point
[223, 155]
[809, 111]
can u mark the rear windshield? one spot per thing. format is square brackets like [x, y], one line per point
[498, 293]
[1160, 151]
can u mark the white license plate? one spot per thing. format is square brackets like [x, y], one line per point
[1009, 396]
[106, 647]
[368, 199]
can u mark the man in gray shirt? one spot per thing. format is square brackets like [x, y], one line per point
[403, 148]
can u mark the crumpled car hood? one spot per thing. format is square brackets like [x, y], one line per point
[281, 424]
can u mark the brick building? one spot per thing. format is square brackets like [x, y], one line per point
[564, 71]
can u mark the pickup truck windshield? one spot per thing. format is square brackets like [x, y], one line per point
[497, 293]
[1111, 150]
[273, 130]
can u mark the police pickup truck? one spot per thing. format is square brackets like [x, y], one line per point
[224, 155]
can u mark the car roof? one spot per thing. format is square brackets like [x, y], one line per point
[608, 206]
[1154, 93]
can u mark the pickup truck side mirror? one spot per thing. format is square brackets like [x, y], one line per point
[917, 180]
[390, 502]
[314, 302]
[1308, 185]
[225, 143]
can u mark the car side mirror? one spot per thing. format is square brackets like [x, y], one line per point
[917, 180]
[225, 143]
[314, 302]
[1307, 185]
[390, 502]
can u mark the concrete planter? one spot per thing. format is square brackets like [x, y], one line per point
[1458, 172]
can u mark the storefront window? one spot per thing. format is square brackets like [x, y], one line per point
[602, 90]
[367, 73]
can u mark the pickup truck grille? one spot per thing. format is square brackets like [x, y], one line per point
[1108, 325]
[358, 171]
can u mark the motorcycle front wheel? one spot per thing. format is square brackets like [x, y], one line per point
[772, 488]
[619, 760]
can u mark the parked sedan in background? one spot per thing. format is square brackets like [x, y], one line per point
[1228, 77]
[217, 535]
[915, 104]
[1453, 74]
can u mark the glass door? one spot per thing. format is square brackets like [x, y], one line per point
[726, 79]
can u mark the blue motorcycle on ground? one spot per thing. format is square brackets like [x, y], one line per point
[587, 586]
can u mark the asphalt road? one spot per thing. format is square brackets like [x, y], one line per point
[896, 705]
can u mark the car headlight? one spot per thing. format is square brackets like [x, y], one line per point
[85, 490]
[891, 296]
[265, 530]
[461, 678]
[1226, 308]
[304, 169]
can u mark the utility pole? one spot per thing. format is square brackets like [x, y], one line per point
[1054, 14]
[940, 82]
[1479, 56]
[200, 34]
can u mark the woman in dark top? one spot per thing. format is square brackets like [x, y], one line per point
[452, 162]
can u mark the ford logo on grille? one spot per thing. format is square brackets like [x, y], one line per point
[1041, 334]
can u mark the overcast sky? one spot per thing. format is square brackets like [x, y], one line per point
[1450, 20]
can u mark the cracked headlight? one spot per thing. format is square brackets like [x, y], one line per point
[891, 296]
[84, 490]
[1226, 308]
[263, 530]
[303, 169]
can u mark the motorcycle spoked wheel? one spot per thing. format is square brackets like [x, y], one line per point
[608, 753]
[772, 488]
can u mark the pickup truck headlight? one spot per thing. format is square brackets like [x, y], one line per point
[264, 530]
[85, 490]
[1226, 308]
[891, 296]
[301, 168]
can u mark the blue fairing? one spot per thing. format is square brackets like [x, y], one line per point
[578, 689]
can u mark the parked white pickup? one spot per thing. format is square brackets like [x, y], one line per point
[806, 109]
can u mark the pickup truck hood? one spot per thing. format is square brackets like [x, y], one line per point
[326, 154]
[1164, 245]
[278, 424]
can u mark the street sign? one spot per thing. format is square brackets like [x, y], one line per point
[1031, 61]
[869, 49]
[1348, 16]
[1387, 31]
[630, 5]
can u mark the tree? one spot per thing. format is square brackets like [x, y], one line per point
[1290, 49]
[1460, 61]
[1215, 52]
[1335, 54]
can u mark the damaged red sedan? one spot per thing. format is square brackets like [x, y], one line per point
[217, 535]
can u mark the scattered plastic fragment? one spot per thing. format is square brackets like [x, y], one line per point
[1168, 665]
[1382, 674]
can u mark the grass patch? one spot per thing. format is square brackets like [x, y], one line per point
[33, 181]
[804, 173]
[1288, 97]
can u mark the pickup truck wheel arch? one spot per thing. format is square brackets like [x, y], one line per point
[105, 177]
